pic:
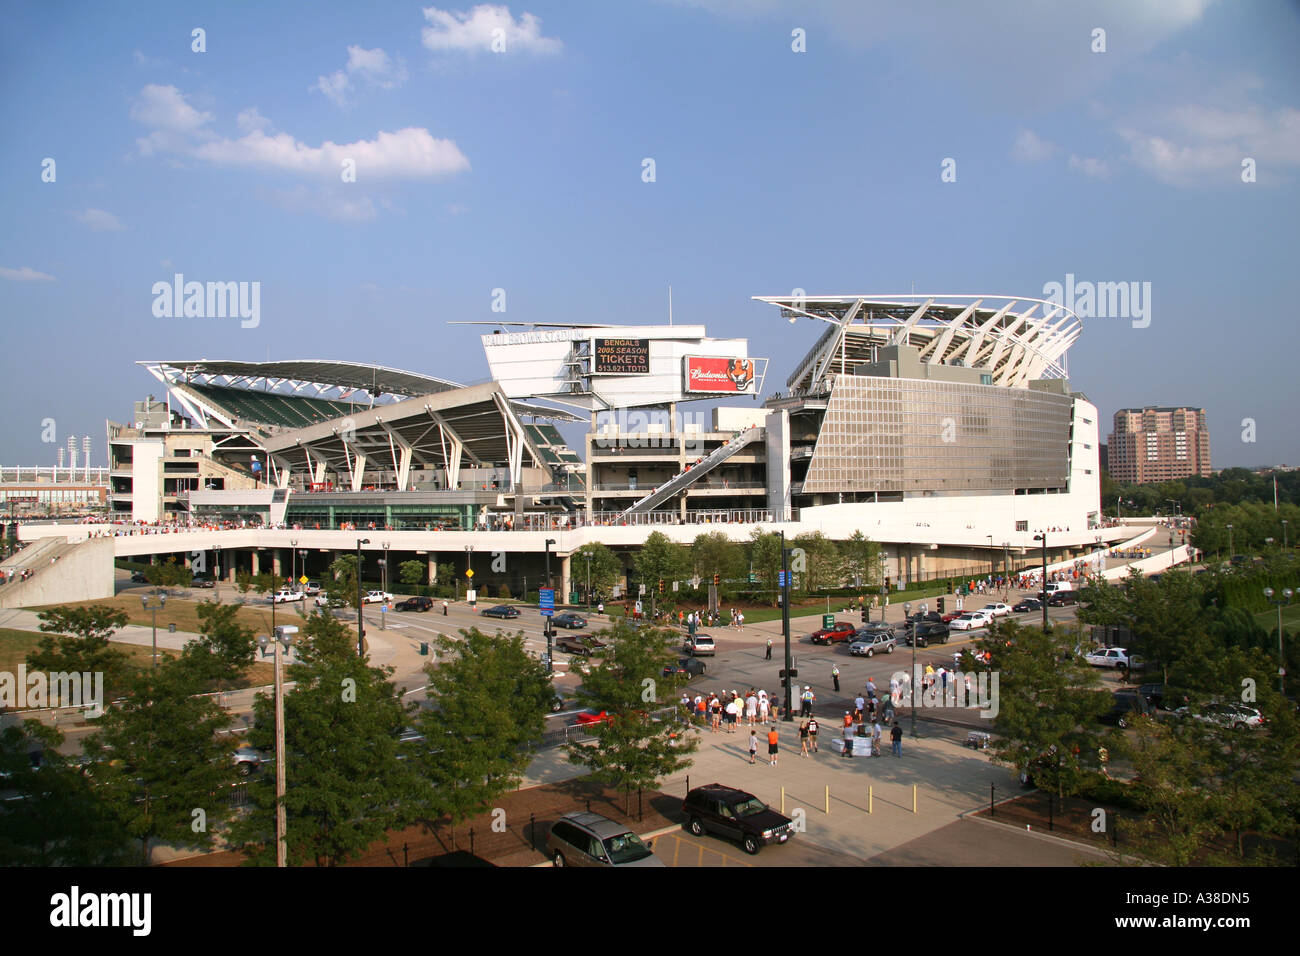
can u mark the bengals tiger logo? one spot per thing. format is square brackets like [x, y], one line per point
[741, 373]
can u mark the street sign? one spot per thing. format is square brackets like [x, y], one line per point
[828, 620]
[780, 578]
[546, 601]
[303, 579]
[469, 573]
[675, 585]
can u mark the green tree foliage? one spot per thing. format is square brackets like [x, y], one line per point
[860, 561]
[661, 559]
[490, 700]
[78, 642]
[1047, 705]
[635, 749]
[169, 574]
[224, 649]
[715, 553]
[51, 815]
[606, 568]
[345, 786]
[158, 761]
[815, 562]
[340, 583]
[765, 559]
[412, 573]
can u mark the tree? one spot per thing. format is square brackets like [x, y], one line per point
[816, 560]
[1047, 703]
[860, 561]
[412, 573]
[646, 739]
[660, 559]
[606, 568]
[715, 553]
[490, 700]
[346, 786]
[53, 816]
[159, 762]
[341, 582]
[765, 559]
[169, 574]
[79, 642]
[224, 648]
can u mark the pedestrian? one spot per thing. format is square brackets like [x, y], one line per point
[859, 705]
[848, 740]
[753, 745]
[896, 738]
[875, 739]
[732, 709]
[803, 739]
[835, 676]
[769, 650]
[763, 705]
[444, 608]
[600, 608]
[772, 738]
[871, 688]
[806, 701]
[740, 617]
[715, 707]
[751, 708]
[812, 733]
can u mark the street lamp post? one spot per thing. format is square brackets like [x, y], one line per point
[1287, 593]
[546, 621]
[1230, 550]
[785, 628]
[293, 562]
[992, 572]
[469, 574]
[216, 550]
[883, 559]
[1043, 538]
[283, 638]
[361, 624]
[153, 610]
[383, 607]
[1284, 544]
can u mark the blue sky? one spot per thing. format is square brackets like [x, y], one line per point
[522, 170]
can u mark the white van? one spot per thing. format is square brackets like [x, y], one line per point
[1055, 587]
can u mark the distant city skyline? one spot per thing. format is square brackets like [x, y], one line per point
[363, 176]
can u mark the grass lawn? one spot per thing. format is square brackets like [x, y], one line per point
[1290, 618]
[184, 613]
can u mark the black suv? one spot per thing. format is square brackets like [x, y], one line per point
[414, 604]
[926, 633]
[736, 815]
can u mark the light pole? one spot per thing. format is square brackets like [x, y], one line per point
[992, 573]
[1284, 544]
[1229, 542]
[1281, 659]
[293, 563]
[785, 628]
[216, 550]
[283, 639]
[469, 574]
[361, 625]
[546, 621]
[587, 555]
[383, 607]
[153, 610]
[883, 559]
[1043, 538]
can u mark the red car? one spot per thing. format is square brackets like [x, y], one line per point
[590, 718]
[839, 634]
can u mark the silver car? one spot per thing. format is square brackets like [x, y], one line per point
[588, 839]
[871, 643]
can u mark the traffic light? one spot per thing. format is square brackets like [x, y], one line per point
[717, 579]
[942, 602]
[886, 585]
[661, 585]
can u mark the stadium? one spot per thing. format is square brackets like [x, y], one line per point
[942, 426]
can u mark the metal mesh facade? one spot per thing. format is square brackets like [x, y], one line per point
[910, 435]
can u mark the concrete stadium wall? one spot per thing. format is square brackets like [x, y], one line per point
[83, 572]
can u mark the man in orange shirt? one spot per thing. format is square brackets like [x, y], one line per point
[772, 738]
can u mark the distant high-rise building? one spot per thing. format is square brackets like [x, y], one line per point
[1158, 443]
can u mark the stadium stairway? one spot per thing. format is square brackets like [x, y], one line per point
[61, 572]
[693, 474]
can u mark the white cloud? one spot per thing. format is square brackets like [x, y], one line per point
[375, 67]
[1029, 147]
[99, 220]
[251, 119]
[1196, 143]
[475, 32]
[147, 62]
[25, 274]
[1089, 166]
[411, 153]
[336, 203]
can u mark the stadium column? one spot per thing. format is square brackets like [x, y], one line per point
[277, 567]
[565, 563]
[255, 563]
[433, 567]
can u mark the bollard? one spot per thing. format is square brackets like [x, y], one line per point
[828, 800]
[532, 831]
[870, 798]
[992, 808]
[688, 783]
[783, 801]
[913, 798]
[406, 856]
[471, 841]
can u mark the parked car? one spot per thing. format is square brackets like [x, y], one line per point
[1112, 657]
[1125, 705]
[324, 600]
[137, 577]
[878, 642]
[414, 604]
[1234, 716]
[284, 596]
[203, 581]
[581, 644]
[1027, 605]
[1063, 599]
[701, 645]
[686, 667]
[378, 597]
[997, 609]
[841, 633]
[1164, 698]
[593, 717]
[971, 620]
[734, 815]
[313, 588]
[1055, 587]
[588, 839]
[501, 610]
[923, 635]
[569, 620]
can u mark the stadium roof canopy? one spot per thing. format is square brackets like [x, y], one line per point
[1015, 340]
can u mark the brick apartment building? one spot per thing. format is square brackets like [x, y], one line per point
[1158, 443]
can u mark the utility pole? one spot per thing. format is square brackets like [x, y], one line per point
[785, 625]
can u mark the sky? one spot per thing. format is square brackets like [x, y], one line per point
[380, 169]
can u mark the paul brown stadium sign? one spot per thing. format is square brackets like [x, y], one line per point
[621, 357]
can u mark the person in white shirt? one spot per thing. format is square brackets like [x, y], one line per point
[751, 709]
